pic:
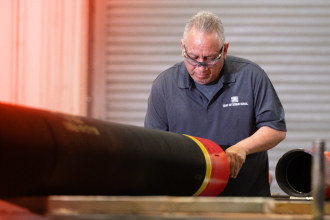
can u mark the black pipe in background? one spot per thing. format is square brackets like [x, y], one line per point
[293, 172]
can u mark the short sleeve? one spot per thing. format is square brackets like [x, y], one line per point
[268, 108]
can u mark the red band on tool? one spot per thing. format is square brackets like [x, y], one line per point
[220, 168]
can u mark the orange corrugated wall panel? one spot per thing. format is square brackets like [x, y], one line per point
[43, 54]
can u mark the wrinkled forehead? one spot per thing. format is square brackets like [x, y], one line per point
[200, 37]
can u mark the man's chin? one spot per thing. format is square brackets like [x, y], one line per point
[202, 81]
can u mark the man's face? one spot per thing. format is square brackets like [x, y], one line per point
[203, 47]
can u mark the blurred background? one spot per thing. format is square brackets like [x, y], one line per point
[99, 58]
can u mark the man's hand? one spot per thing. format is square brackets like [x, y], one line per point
[236, 156]
[263, 139]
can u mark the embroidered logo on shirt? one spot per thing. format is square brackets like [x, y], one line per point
[234, 99]
[234, 102]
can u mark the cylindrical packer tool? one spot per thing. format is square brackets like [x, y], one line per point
[50, 153]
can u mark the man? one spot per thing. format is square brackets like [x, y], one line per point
[222, 98]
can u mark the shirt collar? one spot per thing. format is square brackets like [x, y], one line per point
[186, 82]
[184, 79]
[228, 72]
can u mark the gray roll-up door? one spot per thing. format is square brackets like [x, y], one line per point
[134, 41]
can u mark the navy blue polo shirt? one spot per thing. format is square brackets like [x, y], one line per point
[244, 101]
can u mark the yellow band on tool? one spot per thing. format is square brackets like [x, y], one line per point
[208, 166]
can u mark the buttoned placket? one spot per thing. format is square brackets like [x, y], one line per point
[209, 104]
[205, 102]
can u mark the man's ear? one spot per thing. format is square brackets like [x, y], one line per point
[225, 50]
[182, 49]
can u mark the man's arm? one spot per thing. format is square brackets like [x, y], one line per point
[263, 139]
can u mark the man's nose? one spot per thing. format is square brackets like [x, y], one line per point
[202, 66]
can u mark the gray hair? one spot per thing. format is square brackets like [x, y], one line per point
[205, 21]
